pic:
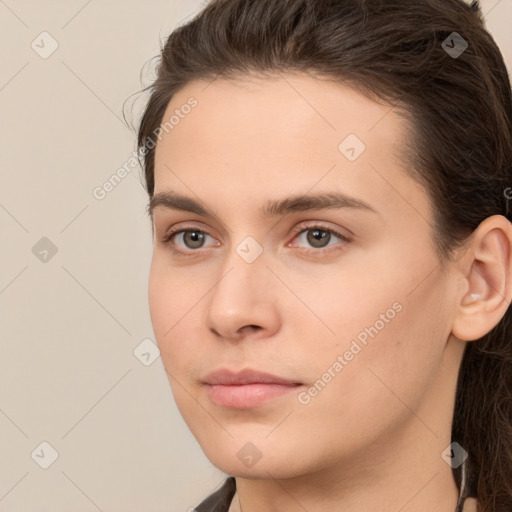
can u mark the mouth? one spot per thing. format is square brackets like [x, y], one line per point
[247, 388]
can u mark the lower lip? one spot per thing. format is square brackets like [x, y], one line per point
[245, 396]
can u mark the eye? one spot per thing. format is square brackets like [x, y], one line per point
[189, 238]
[319, 237]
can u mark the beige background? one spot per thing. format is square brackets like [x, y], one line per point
[70, 325]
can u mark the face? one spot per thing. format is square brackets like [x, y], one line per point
[345, 302]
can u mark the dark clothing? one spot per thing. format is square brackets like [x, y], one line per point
[221, 499]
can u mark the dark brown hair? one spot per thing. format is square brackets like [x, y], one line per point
[460, 146]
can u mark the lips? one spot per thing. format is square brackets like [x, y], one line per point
[246, 376]
[247, 388]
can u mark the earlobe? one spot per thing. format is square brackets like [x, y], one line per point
[487, 274]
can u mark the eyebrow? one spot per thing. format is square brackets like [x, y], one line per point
[273, 208]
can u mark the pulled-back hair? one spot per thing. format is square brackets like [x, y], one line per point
[460, 144]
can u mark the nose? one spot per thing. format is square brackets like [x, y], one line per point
[244, 301]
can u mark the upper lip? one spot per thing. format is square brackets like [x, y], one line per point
[246, 376]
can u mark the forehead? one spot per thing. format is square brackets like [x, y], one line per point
[287, 131]
[296, 113]
[293, 106]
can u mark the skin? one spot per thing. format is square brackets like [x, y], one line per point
[372, 439]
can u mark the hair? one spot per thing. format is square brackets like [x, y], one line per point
[459, 145]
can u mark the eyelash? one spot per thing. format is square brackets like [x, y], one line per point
[304, 228]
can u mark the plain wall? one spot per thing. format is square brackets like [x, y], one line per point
[70, 321]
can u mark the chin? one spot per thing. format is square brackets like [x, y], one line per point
[260, 471]
[239, 457]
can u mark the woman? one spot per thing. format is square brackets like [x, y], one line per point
[329, 186]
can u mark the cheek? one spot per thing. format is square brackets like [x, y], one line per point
[390, 339]
[173, 304]
[160, 297]
[172, 293]
[393, 371]
[343, 305]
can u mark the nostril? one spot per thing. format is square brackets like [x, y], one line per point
[250, 328]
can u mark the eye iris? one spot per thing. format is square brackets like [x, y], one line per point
[193, 239]
[318, 235]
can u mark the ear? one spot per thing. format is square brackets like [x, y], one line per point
[486, 279]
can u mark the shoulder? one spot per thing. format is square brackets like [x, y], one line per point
[220, 500]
